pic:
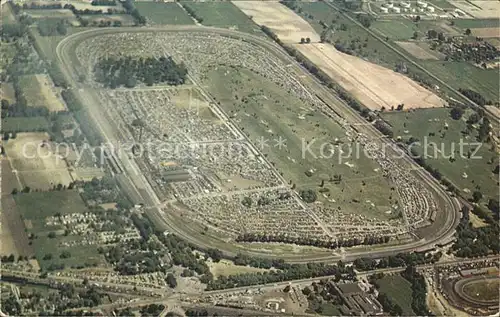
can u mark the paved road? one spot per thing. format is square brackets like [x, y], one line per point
[138, 183]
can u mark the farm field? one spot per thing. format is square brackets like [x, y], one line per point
[486, 32]
[37, 166]
[418, 51]
[285, 23]
[25, 124]
[477, 23]
[59, 13]
[163, 13]
[373, 85]
[403, 29]
[465, 75]
[223, 15]
[271, 113]
[466, 173]
[35, 208]
[39, 92]
[12, 231]
[347, 35]
[479, 9]
[399, 290]
[6, 14]
[7, 92]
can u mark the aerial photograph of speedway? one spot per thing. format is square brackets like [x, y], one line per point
[249, 158]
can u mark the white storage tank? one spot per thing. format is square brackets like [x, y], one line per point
[422, 4]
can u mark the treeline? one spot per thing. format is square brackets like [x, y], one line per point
[389, 305]
[52, 27]
[103, 2]
[419, 291]
[129, 7]
[321, 243]
[192, 12]
[79, 12]
[292, 272]
[318, 73]
[474, 96]
[183, 254]
[399, 260]
[126, 71]
[473, 242]
[71, 100]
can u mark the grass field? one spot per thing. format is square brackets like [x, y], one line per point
[399, 290]
[6, 14]
[25, 124]
[403, 29]
[484, 290]
[35, 207]
[39, 92]
[61, 13]
[223, 15]
[465, 75]
[271, 113]
[466, 173]
[477, 23]
[227, 267]
[163, 13]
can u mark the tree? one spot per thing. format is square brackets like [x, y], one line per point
[171, 280]
[477, 196]
[302, 40]
[247, 202]
[415, 35]
[468, 32]
[309, 195]
[432, 34]
[308, 40]
[457, 113]
[52, 235]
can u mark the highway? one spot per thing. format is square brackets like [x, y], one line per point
[136, 181]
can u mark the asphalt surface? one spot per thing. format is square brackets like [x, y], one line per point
[135, 180]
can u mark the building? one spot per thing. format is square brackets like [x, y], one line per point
[405, 4]
[422, 4]
[384, 10]
[355, 302]
[430, 9]
[396, 10]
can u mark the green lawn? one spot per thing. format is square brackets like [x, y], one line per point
[223, 15]
[477, 23]
[399, 290]
[421, 123]
[265, 110]
[466, 75]
[59, 13]
[163, 13]
[25, 124]
[395, 29]
[35, 207]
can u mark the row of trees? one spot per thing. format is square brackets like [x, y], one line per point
[192, 12]
[399, 260]
[125, 71]
[321, 243]
[52, 27]
[474, 96]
